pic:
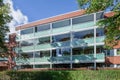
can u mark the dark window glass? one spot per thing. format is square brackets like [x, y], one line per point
[42, 40]
[83, 19]
[27, 31]
[27, 43]
[42, 54]
[61, 24]
[100, 32]
[83, 34]
[42, 66]
[60, 38]
[99, 15]
[27, 55]
[43, 27]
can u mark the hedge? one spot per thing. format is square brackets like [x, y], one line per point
[65, 75]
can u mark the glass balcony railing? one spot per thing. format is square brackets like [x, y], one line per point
[27, 48]
[82, 42]
[100, 39]
[61, 59]
[61, 44]
[43, 59]
[3, 59]
[25, 61]
[42, 33]
[87, 58]
[17, 38]
[78, 58]
[27, 36]
[61, 29]
[83, 25]
[43, 46]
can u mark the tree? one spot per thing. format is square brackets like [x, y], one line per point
[111, 24]
[5, 18]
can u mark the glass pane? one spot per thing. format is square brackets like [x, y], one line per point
[65, 51]
[83, 34]
[99, 32]
[27, 43]
[42, 40]
[83, 19]
[42, 27]
[60, 38]
[27, 31]
[99, 15]
[61, 24]
[42, 54]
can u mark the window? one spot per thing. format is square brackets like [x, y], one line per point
[61, 38]
[83, 34]
[61, 24]
[27, 43]
[100, 32]
[42, 54]
[27, 55]
[83, 19]
[99, 15]
[42, 40]
[118, 51]
[66, 51]
[27, 31]
[42, 27]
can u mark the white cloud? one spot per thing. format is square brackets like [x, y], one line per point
[18, 17]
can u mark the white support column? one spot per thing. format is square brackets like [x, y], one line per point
[71, 38]
[19, 50]
[115, 52]
[50, 42]
[34, 48]
[94, 42]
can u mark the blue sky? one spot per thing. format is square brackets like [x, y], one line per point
[39, 9]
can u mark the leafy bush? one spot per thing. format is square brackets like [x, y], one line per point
[65, 75]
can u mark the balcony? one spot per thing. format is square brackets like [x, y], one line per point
[43, 46]
[3, 59]
[27, 48]
[100, 39]
[17, 38]
[83, 25]
[61, 30]
[82, 42]
[27, 36]
[25, 61]
[42, 33]
[61, 59]
[61, 44]
[79, 58]
[43, 59]
[88, 57]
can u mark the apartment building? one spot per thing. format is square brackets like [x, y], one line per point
[70, 40]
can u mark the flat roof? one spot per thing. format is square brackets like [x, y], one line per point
[52, 19]
[57, 18]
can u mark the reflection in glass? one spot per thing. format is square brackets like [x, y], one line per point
[83, 19]
[27, 31]
[42, 40]
[27, 43]
[61, 24]
[61, 38]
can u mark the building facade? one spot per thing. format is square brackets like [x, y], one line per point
[70, 40]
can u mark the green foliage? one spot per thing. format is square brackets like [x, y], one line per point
[65, 75]
[111, 24]
[4, 19]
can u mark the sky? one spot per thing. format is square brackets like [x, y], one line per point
[25, 11]
[39, 9]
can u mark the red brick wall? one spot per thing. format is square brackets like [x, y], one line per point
[112, 60]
